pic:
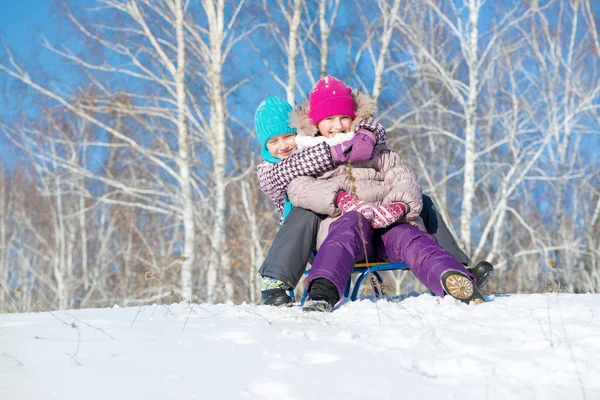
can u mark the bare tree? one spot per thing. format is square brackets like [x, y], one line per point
[138, 186]
[158, 58]
[6, 218]
[325, 27]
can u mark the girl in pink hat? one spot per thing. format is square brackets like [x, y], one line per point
[373, 207]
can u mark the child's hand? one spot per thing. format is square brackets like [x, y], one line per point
[372, 126]
[347, 202]
[359, 148]
[386, 214]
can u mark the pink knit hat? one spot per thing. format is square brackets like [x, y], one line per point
[330, 96]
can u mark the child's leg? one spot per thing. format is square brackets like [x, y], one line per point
[342, 248]
[292, 247]
[421, 252]
[436, 225]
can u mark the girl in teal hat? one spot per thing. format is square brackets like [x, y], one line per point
[276, 137]
[295, 241]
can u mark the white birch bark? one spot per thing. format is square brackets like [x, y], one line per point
[589, 15]
[183, 161]
[4, 221]
[388, 17]
[59, 264]
[82, 224]
[257, 255]
[468, 194]
[215, 13]
[324, 30]
[292, 52]
[325, 27]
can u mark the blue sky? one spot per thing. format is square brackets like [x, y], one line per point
[21, 25]
[23, 22]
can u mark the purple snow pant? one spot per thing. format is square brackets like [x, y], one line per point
[344, 247]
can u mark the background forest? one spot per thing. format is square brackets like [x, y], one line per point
[128, 151]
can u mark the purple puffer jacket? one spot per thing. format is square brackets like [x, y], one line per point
[383, 179]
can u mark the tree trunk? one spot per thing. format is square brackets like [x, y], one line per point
[60, 249]
[324, 48]
[293, 52]
[4, 215]
[82, 225]
[388, 29]
[257, 255]
[183, 162]
[471, 128]
[214, 11]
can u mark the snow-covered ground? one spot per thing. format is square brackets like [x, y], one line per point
[516, 347]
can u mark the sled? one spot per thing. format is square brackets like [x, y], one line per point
[363, 269]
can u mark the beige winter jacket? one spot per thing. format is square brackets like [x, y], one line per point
[383, 179]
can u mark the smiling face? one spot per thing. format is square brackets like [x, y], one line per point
[335, 124]
[281, 146]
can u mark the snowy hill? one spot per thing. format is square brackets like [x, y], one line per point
[517, 347]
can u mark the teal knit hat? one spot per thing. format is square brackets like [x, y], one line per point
[272, 118]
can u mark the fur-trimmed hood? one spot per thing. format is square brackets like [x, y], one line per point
[366, 108]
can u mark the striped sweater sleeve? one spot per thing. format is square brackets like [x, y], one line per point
[274, 179]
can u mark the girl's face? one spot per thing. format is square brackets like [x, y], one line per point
[330, 126]
[281, 146]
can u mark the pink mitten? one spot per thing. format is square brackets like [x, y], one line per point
[347, 202]
[386, 214]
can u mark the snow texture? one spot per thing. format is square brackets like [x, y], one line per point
[516, 347]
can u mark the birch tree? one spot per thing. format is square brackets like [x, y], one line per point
[215, 13]
[378, 33]
[303, 46]
[167, 75]
[326, 24]
[257, 255]
[6, 224]
[462, 24]
[145, 166]
[213, 47]
[183, 159]
[326, 16]
[288, 41]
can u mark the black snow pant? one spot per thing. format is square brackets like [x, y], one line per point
[293, 246]
[435, 224]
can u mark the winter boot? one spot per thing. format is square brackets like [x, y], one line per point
[322, 296]
[276, 297]
[459, 285]
[483, 271]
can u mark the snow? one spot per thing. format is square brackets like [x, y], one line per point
[541, 346]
